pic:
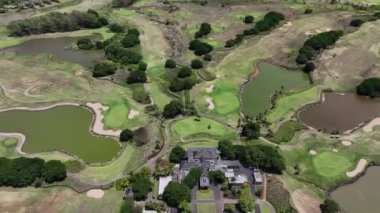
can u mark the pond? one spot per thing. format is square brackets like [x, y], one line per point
[60, 48]
[339, 112]
[361, 196]
[65, 128]
[257, 93]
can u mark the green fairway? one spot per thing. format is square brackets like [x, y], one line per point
[159, 98]
[225, 99]
[256, 94]
[193, 126]
[205, 194]
[206, 208]
[64, 128]
[329, 164]
[290, 104]
[286, 131]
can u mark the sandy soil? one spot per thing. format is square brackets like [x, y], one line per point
[40, 108]
[359, 168]
[313, 152]
[335, 150]
[370, 125]
[211, 105]
[98, 126]
[305, 202]
[133, 113]
[20, 140]
[210, 88]
[347, 143]
[95, 193]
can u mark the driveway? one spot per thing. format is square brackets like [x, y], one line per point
[217, 201]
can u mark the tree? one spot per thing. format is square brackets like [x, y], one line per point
[204, 30]
[248, 19]
[369, 87]
[308, 10]
[192, 178]
[246, 201]
[329, 206]
[184, 207]
[126, 135]
[128, 206]
[85, 44]
[196, 64]
[356, 23]
[226, 149]
[251, 130]
[207, 57]
[171, 64]
[130, 57]
[142, 66]
[117, 28]
[175, 193]
[309, 67]
[177, 154]
[200, 48]
[137, 76]
[229, 208]
[163, 168]
[103, 69]
[172, 109]
[141, 187]
[217, 177]
[184, 72]
[54, 171]
[130, 40]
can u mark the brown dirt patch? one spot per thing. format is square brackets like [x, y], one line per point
[306, 201]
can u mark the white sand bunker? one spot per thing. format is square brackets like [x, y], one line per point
[313, 152]
[359, 168]
[335, 150]
[288, 24]
[369, 127]
[98, 126]
[211, 105]
[347, 143]
[133, 113]
[210, 88]
[95, 193]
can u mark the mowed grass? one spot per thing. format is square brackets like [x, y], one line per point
[193, 126]
[329, 164]
[116, 117]
[208, 143]
[256, 94]
[10, 142]
[205, 194]
[225, 98]
[286, 131]
[206, 208]
[290, 104]
[159, 97]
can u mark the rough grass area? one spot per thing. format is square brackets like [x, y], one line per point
[225, 99]
[56, 199]
[286, 131]
[206, 143]
[206, 208]
[278, 196]
[329, 164]
[193, 126]
[159, 97]
[288, 105]
[205, 194]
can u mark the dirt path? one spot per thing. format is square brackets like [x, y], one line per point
[305, 202]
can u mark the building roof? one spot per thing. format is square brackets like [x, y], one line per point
[201, 152]
[240, 179]
[162, 183]
[257, 175]
[204, 181]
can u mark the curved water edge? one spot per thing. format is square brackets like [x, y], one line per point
[96, 129]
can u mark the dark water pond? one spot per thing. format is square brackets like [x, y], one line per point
[340, 112]
[363, 195]
[60, 48]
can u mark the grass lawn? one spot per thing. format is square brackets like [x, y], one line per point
[159, 97]
[290, 104]
[10, 142]
[206, 208]
[205, 194]
[225, 98]
[286, 131]
[208, 143]
[192, 126]
[329, 164]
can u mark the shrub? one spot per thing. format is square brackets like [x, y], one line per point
[192, 178]
[103, 69]
[196, 64]
[130, 40]
[74, 166]
[200, 48]
[204, 30]
[177, 154]
[171, 64]
[131, 57]
[248, 19]
[309, 67]
[308, 10]
[207, 57]
[369, 87]
[172, 109]
[356, 23]
[117, 28]
[126, 135]
[329, 206]
[54, 171]
[141, 188]
[142, 66]
[85, 44]
[136, 76]
[184, 72]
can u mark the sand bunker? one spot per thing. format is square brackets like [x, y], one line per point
[313, 152]
[133, 113]
[288, 24]
[347, 143]
[305, 201]
[20, 140]
[359, 168]
[95, 193]
[209, 88]
[211, 105]
[335, 150]
[98, 126]
[370, 125]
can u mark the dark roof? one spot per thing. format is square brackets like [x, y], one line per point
[230, 163]
[200, 152]
[190, 165]
[204, 181]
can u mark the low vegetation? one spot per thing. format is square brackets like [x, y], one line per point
[369, 87]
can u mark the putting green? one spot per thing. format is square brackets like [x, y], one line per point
[10, 142]
[329, 164]
[116, 117]
[225, 99]
[192, 126]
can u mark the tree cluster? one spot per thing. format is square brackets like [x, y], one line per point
[118, 53]
[102, 69]
[267, 158]
[369, 87]
[192, 178]
[22, 172]
[177, 154]
[57, 22]
[217, 177]
[248, 19]
[163, 168]
[131, 39]
[170, 63]
[200, 48]
[126, 135]
[329, 206]
[204, 30]
[85, 44]
[173, 109]
[250, 130]
[270, 20]
[175, 193]
[141, 187]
